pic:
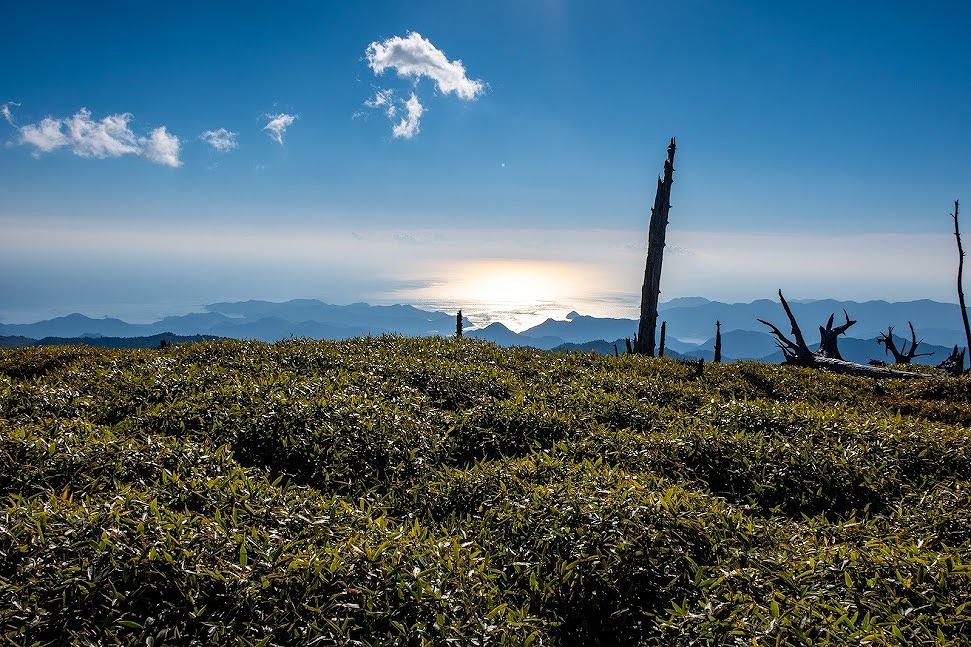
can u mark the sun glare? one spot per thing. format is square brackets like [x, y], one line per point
[519, 293]
[516, 283]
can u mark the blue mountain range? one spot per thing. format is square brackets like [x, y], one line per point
[690, 324]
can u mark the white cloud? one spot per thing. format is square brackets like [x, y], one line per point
[45, 136]
[278, 125]
[5, 111]
[161, 148]
[383, 100]
[408, 126]
[222, 140]
[416, 57]
[112, 136]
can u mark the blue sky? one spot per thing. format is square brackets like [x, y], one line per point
[821, 147]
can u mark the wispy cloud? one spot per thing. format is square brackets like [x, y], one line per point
[383, 100]
[408, 126]
[221, 139]
[416, 57]
[5, 111]
[110, 136]
[278, 125]
[419, 239]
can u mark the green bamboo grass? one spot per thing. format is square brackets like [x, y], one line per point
[447, 491]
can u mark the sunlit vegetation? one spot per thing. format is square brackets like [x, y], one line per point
[432, 491]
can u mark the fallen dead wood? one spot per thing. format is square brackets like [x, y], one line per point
[797, 353]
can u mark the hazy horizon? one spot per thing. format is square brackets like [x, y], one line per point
[497, 157]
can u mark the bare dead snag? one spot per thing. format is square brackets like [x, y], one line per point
[644, 343]
[829, 336]
[797, 353]
[458, 325]
[903, 355]
[964, 309]
[718, 342]
[660, 346]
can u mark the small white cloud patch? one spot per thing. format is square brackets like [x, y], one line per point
[162, 147]
[416, 57]
[221, 139]
[110, 136]
[278, 125]
[408, 126]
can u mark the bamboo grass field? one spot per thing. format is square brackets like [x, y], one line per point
[391, 490]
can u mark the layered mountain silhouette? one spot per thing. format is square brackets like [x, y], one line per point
[690, 326]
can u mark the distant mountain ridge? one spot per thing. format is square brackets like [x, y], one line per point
[262, 320]
[152, 341]
[690, 325]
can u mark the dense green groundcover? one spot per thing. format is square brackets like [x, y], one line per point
[433, 491]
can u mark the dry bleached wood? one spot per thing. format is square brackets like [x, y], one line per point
[797, 352]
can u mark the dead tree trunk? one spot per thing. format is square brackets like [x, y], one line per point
[655, 252]
[829, 336]
[458, 325]
[964, 309]
[660, 346]
[903, 355]
[797, 352]
[718, 342]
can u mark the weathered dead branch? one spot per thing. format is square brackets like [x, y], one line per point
[796, 351]
[954, 364]
[902, 355]
[829, 336]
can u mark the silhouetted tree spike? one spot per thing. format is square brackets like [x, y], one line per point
[964, 309]
[630, 349]
[644, 344]
[458, 324]
[829, 336]
[660, 346]
[718, 342]
[616, 351]
[903, 355]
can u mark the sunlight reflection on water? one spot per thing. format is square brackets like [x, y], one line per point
[519, 316]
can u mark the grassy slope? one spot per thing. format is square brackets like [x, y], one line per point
[388, 491]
